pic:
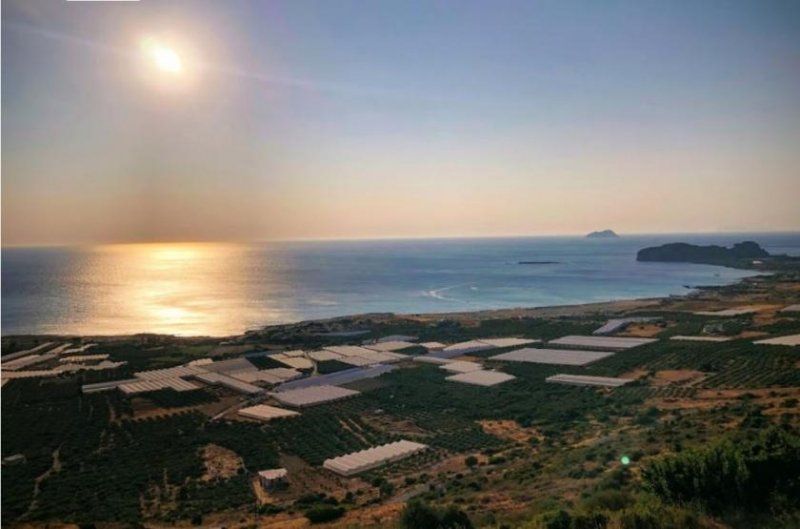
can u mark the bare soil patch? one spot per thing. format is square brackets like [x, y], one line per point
[393, 424]
[220, 462]
[643, 330]
[677, 376]
[510, 430]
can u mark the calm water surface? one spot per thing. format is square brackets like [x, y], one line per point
[222, 289]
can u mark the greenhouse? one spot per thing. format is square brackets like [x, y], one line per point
[263, 412]
[584, 380]
[567, 357]
[356, 462]
[481, 378]
[602, 342]
[312, 396]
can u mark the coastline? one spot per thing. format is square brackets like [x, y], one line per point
[598, 308]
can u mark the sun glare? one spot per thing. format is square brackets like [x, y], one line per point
[162, 56]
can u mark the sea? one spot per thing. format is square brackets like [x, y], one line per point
[222, 289]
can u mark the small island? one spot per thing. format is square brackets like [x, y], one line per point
[603, 234]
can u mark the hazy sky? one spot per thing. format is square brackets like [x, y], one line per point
[331, 118]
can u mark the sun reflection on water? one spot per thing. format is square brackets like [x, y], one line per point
[181, 288]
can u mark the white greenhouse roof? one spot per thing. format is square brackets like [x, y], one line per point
[294, 353]
[275, 375]
[26, 361]
[263, 412]
[482, 378]
[79, 349]
[793, 339]
[356, 462]
[358, 361]
[273, 474]
[433, 346]
[297, 362]
[568, 357]
[390, 346]
[462, 348]
[507, 342]
[170, 372]
[584, 380]
[791, 308]
[461, 367]
[233, 364]
[313, 395]
[602, 342]
[684, 338]
[426, 359]
[736, 311]
[228, 381]
[83, 358]
[321, 356]
[32, 350]
[349, 350]
[144, 386]
[201, 362]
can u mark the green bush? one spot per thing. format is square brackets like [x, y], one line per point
[418, 515]
[732, 473]
[324, 513]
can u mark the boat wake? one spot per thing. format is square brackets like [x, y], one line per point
[438, 293]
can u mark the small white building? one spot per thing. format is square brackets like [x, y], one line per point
[273, 477]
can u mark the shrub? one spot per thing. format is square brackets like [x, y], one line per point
[561, 520]
[596, 520]
[731, 473]
[324, 513]
[418, 515]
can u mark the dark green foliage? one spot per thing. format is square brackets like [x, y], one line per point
[735, 364]
[106, 466]
[331, 366]
[319, 434]
[199, 497]
[324, 513]
[560, 520]
[167, 353]
[658, 517]
[595, 520]
[732, 473]
[454, 518]
[262, 361]
[438, 405]
[470, 438]
[169, 398]
[386, 489]
[610, 500]
[418, 515]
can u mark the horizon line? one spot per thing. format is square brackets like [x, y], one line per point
[389, 238]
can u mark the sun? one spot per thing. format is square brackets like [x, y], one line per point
[162, 56]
